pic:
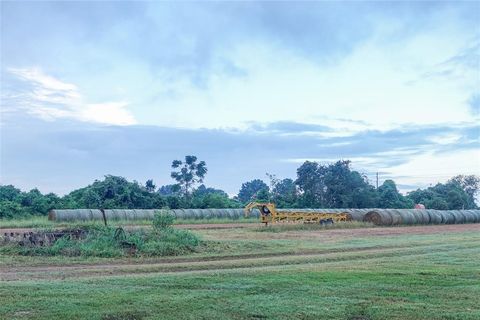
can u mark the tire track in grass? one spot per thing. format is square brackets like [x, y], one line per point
[220, 265]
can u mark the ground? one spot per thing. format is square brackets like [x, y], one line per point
[427, 272]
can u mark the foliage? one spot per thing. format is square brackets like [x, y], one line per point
[458, 193]
[317, 185]
[333, 186]
[150, 186]
[169, 190]
[253, 190]
[10, 209]
[188, 173]
[284, 193]
[389, 197]
[114, 192]
[162, 220]
[102, 241]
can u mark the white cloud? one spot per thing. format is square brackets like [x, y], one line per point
[430, 168]
[50, 98]
[378, 84]
[108, 113]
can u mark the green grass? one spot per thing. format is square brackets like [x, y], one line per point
[43, 222]
[429, 276]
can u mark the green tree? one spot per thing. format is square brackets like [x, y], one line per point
[150, 186]
[470, 184]
[436, 203]
[450, 195]
[169, 190]
[346, 188]
[188, 173]
[10, 209]
[251, 189]
[310, 182]
[9, 193]
[284, 193]
[389, 197]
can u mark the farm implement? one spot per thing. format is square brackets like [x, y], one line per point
[270, 214]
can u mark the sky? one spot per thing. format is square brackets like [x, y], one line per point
[124, 88]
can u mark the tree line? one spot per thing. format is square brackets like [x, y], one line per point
[317, 185]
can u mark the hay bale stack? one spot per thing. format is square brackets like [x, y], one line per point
[73, 214]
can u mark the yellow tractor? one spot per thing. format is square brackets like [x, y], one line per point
[269, 214]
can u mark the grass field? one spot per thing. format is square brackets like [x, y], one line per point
[428, 272]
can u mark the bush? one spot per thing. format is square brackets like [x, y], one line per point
[162, 220]
[10, 209]
[170, 242]
[109, 242]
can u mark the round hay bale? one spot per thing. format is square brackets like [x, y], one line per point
[145, 214]
[460, 217]
[450, 217]
[81, 215]
[178, 213]
[209, 213]
[96, 215]
[443, 215]
[425, 217]
[396, 217]
[357, 215]
[379, 217]
[476, 214]
[469, 218]
[417, 216]
[190, 213]
[111, 215]
[457, 215]
[435, 217]
[407, 216]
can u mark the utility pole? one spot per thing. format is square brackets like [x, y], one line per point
[377, 179]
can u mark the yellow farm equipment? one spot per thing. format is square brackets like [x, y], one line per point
[269, 214]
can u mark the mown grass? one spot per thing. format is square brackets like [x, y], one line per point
[431, 276]
[428, 285]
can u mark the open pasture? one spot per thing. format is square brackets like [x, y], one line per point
[421, 272]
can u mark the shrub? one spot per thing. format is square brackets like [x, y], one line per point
[162, 220]
[104, 241]
[170, 242]
[10, 209]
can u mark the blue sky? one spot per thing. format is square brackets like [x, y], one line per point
[95, 88]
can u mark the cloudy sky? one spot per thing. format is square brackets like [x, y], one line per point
[95, 88]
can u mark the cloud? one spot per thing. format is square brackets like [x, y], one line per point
[474, 104]
[50, 98]
[86, 151]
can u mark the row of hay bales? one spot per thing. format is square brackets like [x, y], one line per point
[96, 214]
[389, 217]
[143, 214]
[376, 216]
